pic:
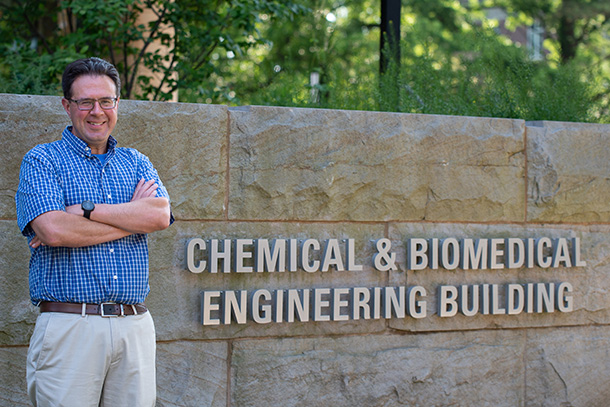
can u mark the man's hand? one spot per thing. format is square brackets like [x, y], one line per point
[145, 190]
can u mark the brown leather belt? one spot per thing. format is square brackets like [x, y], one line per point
[108, 309]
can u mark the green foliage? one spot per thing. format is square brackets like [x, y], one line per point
[453, 61]
[451, 64]
[23, 69]
[128, 33]
[490, 79]
[25, 73]
[335, 38]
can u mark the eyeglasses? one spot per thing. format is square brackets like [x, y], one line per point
[88, 104]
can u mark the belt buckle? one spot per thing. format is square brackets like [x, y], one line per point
[111, 313]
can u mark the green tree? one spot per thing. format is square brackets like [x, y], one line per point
[334, 38]
[571, 25]
[577, 37]
[453, 62]
[39, 37]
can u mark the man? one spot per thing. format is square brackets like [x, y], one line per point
[86, 207]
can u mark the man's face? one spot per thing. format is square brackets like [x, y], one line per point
[92, 126]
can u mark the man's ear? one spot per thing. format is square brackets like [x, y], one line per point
[66, 104]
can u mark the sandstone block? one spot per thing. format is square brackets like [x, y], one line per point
[568, 367]
[380, 370]
[13, 387]
[192, 374]
[568, 172]
[344, 165]
[17, 319]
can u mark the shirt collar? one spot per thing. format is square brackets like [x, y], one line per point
[80, 146]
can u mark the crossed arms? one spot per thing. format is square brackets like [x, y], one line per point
[145, 213]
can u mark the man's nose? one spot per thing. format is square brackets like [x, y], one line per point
[97, 108]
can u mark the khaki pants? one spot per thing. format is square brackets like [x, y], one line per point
[82, 361]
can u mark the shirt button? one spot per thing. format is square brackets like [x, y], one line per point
[109, 196]
[115, 277]
[111, 250]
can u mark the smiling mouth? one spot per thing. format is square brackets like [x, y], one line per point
[96, 123]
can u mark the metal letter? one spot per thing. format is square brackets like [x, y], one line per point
[447, 301]
[350, 254]
[515, 253]
[332, 256]
[417, 259]
[190, 255]
[576, 253]
[207, 307]
[308, 265]
[241, 254]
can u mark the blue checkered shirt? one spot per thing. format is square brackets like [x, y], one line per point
[63, 173]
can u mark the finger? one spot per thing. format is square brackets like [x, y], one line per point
[138, 191]
[145, 189]
[150, 188]
[35, 242]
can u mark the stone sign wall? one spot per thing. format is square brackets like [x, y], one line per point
[374, 330]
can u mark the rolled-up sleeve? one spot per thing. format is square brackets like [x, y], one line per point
[39, 189]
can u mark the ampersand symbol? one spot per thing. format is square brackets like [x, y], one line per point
[384, 260]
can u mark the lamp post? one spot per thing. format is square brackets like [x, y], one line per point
[390, 33]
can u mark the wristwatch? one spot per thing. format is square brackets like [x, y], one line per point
[87, 207]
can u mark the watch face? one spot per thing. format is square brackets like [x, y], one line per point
[88, 205]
